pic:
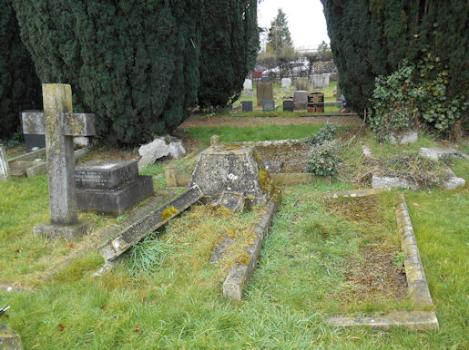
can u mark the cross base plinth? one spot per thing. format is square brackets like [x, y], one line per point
[57, 231]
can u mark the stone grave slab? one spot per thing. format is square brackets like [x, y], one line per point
[150, 222]
[111, 187]
[265, 91]
[300, 99]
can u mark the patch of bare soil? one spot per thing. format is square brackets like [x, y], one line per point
[375, 275]
[242, 122]
[362, 209]
[290, 158]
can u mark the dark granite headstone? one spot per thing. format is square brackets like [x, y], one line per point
[288, 106]
[247, 106]
[268, 105]
[111, 187]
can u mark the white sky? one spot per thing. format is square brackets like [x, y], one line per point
[305, 20]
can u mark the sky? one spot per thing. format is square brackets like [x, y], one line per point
[305, 20]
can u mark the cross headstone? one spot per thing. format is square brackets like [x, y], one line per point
[60, 125]
[4, 168]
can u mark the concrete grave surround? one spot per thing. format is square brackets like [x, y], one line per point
[60, 126]
[160, 147]
[247, 84]
[4, 168]
[265, 91]
[111, 187]
[300, 99]
[9, 340]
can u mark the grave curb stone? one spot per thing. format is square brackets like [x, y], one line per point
[239, 274]
[67, 232]
[9, 339]
[4, 167]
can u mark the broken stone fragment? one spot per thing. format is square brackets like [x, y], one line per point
[391, 182]
[404, 138]
[9, 339]
[159, 148]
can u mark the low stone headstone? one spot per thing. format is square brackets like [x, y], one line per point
[160, 147]
[404, 138]
[247, 84]
[300, 99]
[268, 105]
[302, 84]
[286, 83]
[265, 91]
[60, 126]
[4, 168]
[288, 106]
[111, 187]
[9, 339]
[246, 106]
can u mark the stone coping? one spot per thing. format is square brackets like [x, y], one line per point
[417, 286]
[240, 273]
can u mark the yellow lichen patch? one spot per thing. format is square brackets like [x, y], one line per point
[169, 212]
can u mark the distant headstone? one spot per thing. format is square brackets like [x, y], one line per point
[320, 81]
[286, 83]
[33, 140]
[4, 168]
[246, 106]
[60, 126]
[265, 91]
[111, 187]
[268, 105]
[302, 84]
[247, 84]
[300, 99]
[288, 105]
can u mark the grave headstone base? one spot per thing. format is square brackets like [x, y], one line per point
[68, 232]
[115, 201]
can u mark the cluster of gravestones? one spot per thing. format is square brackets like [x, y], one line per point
[301, 100]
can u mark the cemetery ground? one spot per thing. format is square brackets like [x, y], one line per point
[322, 258]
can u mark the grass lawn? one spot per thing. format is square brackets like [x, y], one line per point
[299, 282]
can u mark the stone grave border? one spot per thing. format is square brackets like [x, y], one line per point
[417, 285]
[239, 274]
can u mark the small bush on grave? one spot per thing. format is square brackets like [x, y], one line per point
[324, 159]
[415, 94]
[326, 133]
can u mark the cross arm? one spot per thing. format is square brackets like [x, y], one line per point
[75, 124]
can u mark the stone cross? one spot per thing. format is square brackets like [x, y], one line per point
[60, 125]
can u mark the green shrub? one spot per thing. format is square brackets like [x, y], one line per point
[326, 133]
[324, 159]
[415, 94]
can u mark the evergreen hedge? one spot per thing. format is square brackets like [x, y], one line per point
[19, 85]
[372, 37]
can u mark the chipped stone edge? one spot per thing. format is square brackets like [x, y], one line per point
[239, 274]
[417, 287]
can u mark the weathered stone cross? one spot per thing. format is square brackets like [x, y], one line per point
[60, 125]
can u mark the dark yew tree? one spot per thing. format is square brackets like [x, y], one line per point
[230, 42]
[133, 63]
[372, 37]
[19, 85]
